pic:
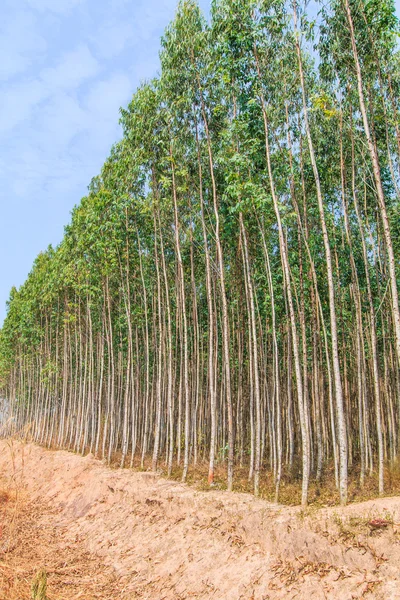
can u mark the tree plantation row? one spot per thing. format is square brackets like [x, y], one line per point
[228, 290]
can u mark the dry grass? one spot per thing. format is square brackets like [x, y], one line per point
[321, 494]
[36, 562]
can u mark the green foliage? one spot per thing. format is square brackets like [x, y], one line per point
[39, 586]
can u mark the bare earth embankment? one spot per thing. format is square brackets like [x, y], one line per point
[112, 534]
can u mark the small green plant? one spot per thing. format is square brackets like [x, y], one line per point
[222, 453]
[39, 586]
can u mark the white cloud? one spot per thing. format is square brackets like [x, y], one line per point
[67, 141]
[43, 171]
[20, 44]
[56, 6]
[62, 120]
[17, 103]
[105, 97]
[111, 39]
[74, 68]
[153, 15]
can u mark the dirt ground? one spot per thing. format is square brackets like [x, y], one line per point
[109, 534]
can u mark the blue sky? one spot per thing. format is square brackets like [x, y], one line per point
[66, 67]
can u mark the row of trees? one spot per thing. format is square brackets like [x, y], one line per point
[228, 290]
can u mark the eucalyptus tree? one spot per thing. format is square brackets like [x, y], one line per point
[355, 55]
[188, 69]
[384, 25]
[254, 37]
[330, 277]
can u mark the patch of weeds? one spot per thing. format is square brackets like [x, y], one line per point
[39, 586]
[307, 512]
[351, 528]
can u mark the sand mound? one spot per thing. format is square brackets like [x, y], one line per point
[133, 535]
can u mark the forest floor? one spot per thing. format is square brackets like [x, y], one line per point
[99, 533]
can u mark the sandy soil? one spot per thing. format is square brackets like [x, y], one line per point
[112, 534]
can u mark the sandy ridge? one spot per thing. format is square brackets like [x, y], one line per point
[165, 540]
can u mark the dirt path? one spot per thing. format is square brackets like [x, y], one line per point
[107, 534]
